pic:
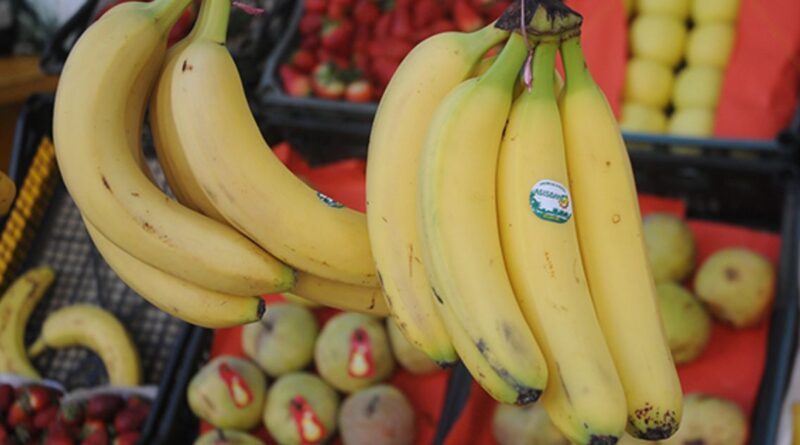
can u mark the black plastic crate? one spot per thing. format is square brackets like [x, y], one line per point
[166, 345]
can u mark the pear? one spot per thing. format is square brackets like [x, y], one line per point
[715, 11]
[711, 45]
[659, 38]
[377, 415]
[685, 320]
[227, 437]
[638, 118]
[283, 341]
[525, 425]
[648, 82]
[676, 8]
[670, 246]
[301, 409]
[410, 357]
[697, 87]
[710, 420]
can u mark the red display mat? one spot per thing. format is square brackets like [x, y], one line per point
[731, 366]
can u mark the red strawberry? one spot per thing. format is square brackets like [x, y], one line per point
[71, 414]
[303, 59]
[337, 35]
[94, 432]
[392, 49]
[359, 91]
[426, 12]
[17, 415]
[316, 6]
[45, 417]
[181, 28]
[338, 9]
[366, 11]
[383, 69]
[326, 83]
[51, 439]
[310, 42]
[98, 437]
[136, 401]
[294, 83]
[310, 24]
[6, 397]
[496, 10]
[466, 17]
[104, 406]
[401, 24]
[129, 419]
[383, 27]
[36, 398]
[128, 438]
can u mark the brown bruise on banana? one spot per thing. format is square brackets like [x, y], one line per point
[525, 394]
[648, 423]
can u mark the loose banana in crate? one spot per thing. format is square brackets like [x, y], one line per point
[7, 192]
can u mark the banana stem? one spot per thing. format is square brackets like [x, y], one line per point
[212, 21]
[575, 71]
[167, 12]
[37, 347]
[544, 62]
[504, 70]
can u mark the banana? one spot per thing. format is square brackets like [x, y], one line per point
[96, 329]
[7, 192]
[16, 307]
[93, 136]
[457, 219]
[584, 396]
[349, 297]
[613, 251]
[296, 299]
[422, 80]
[236, 170]
[181, 299]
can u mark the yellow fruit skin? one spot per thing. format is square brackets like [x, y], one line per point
[711, 45]
[715, 11]
[648, 82]
[675, 8]
[697, 87]
[638, 118]
[658, 38]
[697, 122]
[613, 252]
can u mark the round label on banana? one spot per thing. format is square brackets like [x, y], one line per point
[550, 201]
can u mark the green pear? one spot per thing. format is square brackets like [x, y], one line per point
[301, 409]
[737, 285]
[228, 392]
[685, 320]
[710, 420]
[227, 437]
[715, 11]
[525, 425]
[353, 352]
[410, 357]
[676, 8]
[638, 118]
[377, 415]
[670, 246]
[283, 341]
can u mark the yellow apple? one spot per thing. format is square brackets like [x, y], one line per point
[676, 8]
[648, 82]
[656, 37]
[698, 122]
[697, 87]
[639, 118]
[710, 44]
[715, 11]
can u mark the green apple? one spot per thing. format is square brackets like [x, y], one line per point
[715, 11]
[283, 341]
[697, 87]
[709, 420]
[638, 118]
[648, 82]
[675, 8]
[660, 38]
[711, 45]
[685, 320]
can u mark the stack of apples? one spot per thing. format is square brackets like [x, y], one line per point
[679, 52]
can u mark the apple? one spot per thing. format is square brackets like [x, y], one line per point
[639, 118]
[660, 38]
[710, 44]
[648, 82]
[715, 11]
[697, 87]
[691, 122]
[675, 8]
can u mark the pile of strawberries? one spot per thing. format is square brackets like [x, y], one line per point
[349, 49]
[33, 414]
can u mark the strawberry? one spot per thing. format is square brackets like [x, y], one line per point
[45, 417]
[466, 18]
[361, 61]
[35, 398]
[426, 12]
[71, 414]
[383, 69]
[303, 59]
[310, 24]
[295, 83]
[181, 28]
[6, 397]
[383, 27]
[327, 56]
[326, 83]
[18, 415]
[366, 11]
[128, 438]
[94, 428]
[316, 6]
[337, 35]
[103, 406]
[392, 49]
[310, 42]
[51, 439]
[401, 24]
[359, 91]
[338, 9]
[136, 401]
[129, 419]
[98, 437]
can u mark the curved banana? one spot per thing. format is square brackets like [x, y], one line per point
[423, 79]
[7, 192]
[16, 306]
[181, 299]
[457, 218]
[236, 170]
[92, 137]
[584, 396]
[98, 330]
[349, 297]
[613, 251]
[296, 299]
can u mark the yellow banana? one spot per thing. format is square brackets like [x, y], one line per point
[349, 297]
[584, 396]
[422, 80]
[16, 307]
[613, 251]
[457, 218]
[7, 192]
[93, 134]
[97, 329]
[236, 170]
[181, 299]
[296, 299]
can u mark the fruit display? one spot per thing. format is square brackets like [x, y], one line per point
[349, 49]
[686, 321]
[675, 71]
[300, 409]
[710, 420]
[408, 356]
[379, 414]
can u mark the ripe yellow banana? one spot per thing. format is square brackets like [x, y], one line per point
[612, 247]
[457, 217]
[345, 296]
[93, 136]
[427, 74]
[7, 192]
[179, 298]
[296, 299]
[244, 180]
[584, 396]
[97, 329]
[16, 307]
